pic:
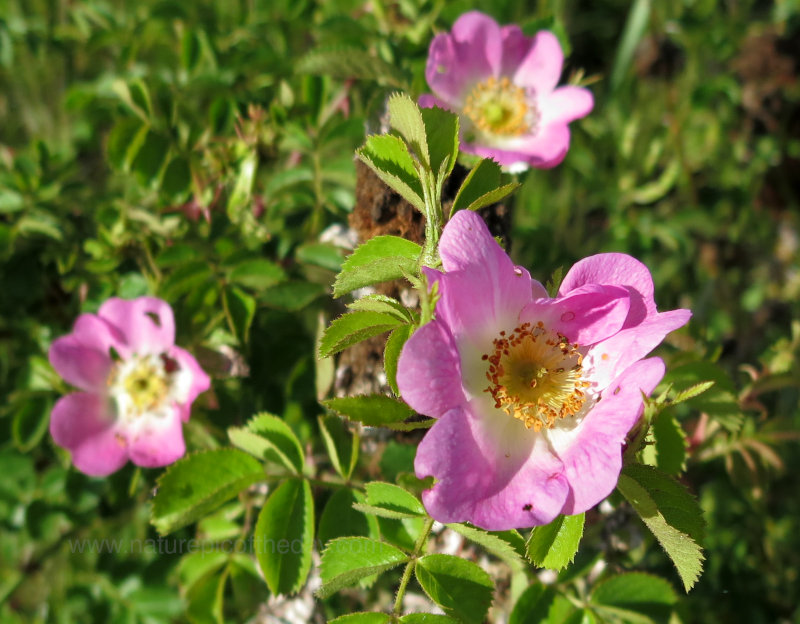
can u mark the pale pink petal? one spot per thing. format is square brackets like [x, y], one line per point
[480, 43]
[84, 425]
[515, 48]
[446, 77]
[429, 371]
[586, 315]
[565, 104]
[98, 334]
[490, 470]
[468, 55]
[611, 357]
[146, 322]
[80, 366]
[593, 460]
[545, 149]
[618, 269]
[199, 382]
[541, 68]
[158, 442]
[482, 289]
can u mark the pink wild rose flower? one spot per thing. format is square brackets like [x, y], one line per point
[502, 85]
[534, 395]
[136, 386]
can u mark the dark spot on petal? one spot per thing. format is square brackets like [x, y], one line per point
[527, 507]
[170, 364]
[154, 317]
[517, 271]
[617, 390]
[114, 354]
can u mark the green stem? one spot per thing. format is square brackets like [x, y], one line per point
[433, 221]
[418, 547]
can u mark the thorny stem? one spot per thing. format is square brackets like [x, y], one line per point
[401, 590]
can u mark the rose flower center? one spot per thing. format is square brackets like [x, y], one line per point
[500, 107]
[535, 376]
[141, 383]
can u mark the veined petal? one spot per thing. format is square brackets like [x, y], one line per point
[158, 441]
[565, 104]
[82, 423]
[480, 43]
[544, 149]
[489, 471]
[593, 456]
[482, 291]
[429, 371]
[98, 334]
[586, 315]
[611, 357]
[618, 269]
[516, 47]
[80, 366]
[147, 322]
[541, 67]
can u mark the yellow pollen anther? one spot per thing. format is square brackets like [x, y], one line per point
[501, 107]
[535, 376]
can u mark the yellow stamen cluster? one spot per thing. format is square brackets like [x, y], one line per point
[500, 107]
[146, 382]
[535, 376]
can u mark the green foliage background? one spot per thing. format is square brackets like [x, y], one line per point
[196, 151]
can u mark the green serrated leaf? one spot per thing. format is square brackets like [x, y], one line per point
[481, 187]
[540, 603]
[199, 483]
[635, 597]
[347, 560]
[380, 259]
[427, 618]
[372, 617]
[462, 588]
[269, 438]
[719, 401]
[350, 62]
[441, 130]
[406, 118]
[497, 546]
[284, 536]
[391, 354]
[554, 545]
[384, 304]
[377, 271]
[388, 156]
[492, 197]
[340, 519]
[692, 391]
[672, 515]
[354, 327]
[340, 443]
[374, 410]
[668, 450]
[394, 498]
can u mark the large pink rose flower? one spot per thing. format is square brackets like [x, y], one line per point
[534, 395]
[136, 386]
[502, 84]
